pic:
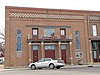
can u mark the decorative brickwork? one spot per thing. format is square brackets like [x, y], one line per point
[94, 17]
[48, 16]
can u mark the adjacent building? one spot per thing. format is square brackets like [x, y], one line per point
[35, 33]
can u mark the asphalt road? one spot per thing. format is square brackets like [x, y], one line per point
[62, 71]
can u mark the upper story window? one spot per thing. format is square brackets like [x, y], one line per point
[19, 40]
[62, 32]
[35, 31]
[94, 30]
[48, 32]
[77, 38]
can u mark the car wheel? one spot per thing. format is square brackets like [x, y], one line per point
[57, 67]
[51, 66]
[33, 67]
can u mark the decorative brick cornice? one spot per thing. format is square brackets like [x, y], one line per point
[45, 16]
[93, 17]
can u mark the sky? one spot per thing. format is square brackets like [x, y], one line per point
[92, 5]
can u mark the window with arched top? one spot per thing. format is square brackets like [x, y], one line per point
[77, 40]
[19, 40]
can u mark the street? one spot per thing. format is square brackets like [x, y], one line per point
[62, 71]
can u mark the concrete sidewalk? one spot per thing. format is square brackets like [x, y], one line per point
[2, 68]
[76, 66]
[66, 66]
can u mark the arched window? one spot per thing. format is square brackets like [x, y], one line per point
[77, 39]
[19, 40]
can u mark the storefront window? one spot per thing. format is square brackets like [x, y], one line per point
[94, 45]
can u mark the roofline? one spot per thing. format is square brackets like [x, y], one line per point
[51, 9]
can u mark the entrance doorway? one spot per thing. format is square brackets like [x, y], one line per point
[96, 51]
[63, 52]
[35, 49]
[50, 51]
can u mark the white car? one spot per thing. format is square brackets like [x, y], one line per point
[1, 60]
[47, 62]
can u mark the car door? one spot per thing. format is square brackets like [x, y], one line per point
[40, 63]
[46, 62]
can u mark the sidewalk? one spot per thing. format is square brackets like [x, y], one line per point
[79, 66]
[2, 68]
[66, 66]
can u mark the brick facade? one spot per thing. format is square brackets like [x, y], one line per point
[26, 19]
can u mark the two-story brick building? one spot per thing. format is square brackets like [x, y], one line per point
[35, 33]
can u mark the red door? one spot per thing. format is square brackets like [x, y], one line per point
[35, 56]
[63, 52]
[63, 55]
[35, 53]
[50, 54]
[50, 51]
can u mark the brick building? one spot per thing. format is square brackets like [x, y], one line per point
[35, 33]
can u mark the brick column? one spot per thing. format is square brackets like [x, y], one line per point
[71, 53]
[59, 50]
[91, 59]
[30, 52]
[42, 50]
[86, 37]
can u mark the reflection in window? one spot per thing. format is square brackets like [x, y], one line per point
[77, 38]
[94, 45]
[62, 32]
[51, 47]
[94, 30]
[35, 31]
[19, 40]
[63, 46]
[48, 32]
[35, 47]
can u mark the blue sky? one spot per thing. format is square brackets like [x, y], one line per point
[93, 5]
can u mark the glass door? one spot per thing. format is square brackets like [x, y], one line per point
[96, 51]
[99, 51]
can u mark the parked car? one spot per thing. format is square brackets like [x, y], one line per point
[1, 61]
[47, 63]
